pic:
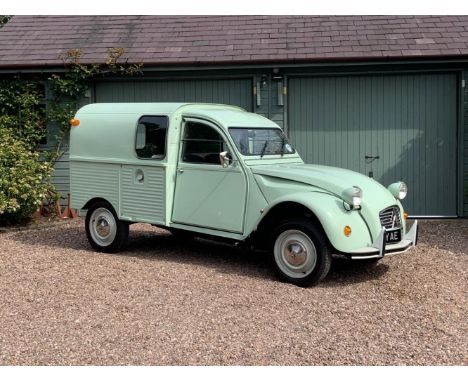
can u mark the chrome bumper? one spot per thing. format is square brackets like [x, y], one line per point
[379, 248]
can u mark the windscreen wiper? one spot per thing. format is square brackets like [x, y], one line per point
[264, 148]
[283, 142]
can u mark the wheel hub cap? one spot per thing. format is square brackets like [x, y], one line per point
[295, 254]
[102, 227]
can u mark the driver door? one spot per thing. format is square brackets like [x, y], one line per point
[206, 193]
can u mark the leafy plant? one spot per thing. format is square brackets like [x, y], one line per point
[20, 111]
[4, 19]
[24, 180]
[69, 88]
[25, 174]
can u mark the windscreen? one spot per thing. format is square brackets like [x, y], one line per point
[257, 141]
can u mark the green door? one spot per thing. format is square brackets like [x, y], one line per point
[237, 91]
[393, 127]
[206, 193]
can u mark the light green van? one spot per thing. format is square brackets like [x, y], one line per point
[221, 172]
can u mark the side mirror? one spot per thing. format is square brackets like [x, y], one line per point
[225, 159]
[140, 137]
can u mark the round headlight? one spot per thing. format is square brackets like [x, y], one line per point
[398, 190]
[353, 196]
[403, 190]
[357, 196]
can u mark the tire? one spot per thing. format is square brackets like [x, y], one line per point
[105, 232]
[301, 252]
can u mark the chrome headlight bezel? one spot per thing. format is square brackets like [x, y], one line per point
[399, 190]
[353, 196]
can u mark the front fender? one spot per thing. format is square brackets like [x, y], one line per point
[333, 217]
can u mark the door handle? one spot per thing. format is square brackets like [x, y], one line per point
[180, 170]
[372, 157]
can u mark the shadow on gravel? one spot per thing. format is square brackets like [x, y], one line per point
[225, 258]
[345, 272]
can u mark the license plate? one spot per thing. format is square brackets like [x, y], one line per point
[393, 236]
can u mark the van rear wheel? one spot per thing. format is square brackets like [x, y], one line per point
[105, 232]
[301, 253]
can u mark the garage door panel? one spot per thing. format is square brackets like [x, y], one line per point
[408, 121]
[227, 91]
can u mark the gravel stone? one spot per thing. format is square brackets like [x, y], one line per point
[166, 302]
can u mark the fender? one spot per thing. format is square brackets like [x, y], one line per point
[333, 217]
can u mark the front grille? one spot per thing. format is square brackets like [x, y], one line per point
[390, 217]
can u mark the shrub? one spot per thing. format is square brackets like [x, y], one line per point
[24, 180]
[21, 112]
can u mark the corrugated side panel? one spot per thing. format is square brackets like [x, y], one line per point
[143, 201]
[94, 180]
[236, 91]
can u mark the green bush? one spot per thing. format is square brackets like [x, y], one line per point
[21, 112]
[24, 180]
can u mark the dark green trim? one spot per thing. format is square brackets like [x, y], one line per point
[464, 144]
[460, 145]
[265, 65]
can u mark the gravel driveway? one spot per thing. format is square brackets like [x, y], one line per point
[165, 302]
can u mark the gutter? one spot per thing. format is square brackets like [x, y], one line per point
[261, 64]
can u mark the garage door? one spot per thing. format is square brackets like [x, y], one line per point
[236, 92]
[390, 126]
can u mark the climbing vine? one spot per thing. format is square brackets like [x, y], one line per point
[69, 88]
[24, 118]
[4, 19]
[21, 112]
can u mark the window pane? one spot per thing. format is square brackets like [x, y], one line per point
[202, 144]
[257, 141]
[154, 139]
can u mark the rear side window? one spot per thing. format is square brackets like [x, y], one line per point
[151, 135]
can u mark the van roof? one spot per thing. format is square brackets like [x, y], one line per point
[145, 107]
[227, 115]
[107, 130]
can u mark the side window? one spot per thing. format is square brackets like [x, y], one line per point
[151, 134]
[201, 144]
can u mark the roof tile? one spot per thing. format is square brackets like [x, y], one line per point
[166, 40]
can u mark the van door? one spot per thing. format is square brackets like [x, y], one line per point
[206, 193]
[143, 183]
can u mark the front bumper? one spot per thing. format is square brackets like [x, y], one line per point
[379, 248]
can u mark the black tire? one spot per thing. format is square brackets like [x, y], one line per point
[118, 229]
[301, 253]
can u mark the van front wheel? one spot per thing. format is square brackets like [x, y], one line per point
[105, 232]
[301, 252]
